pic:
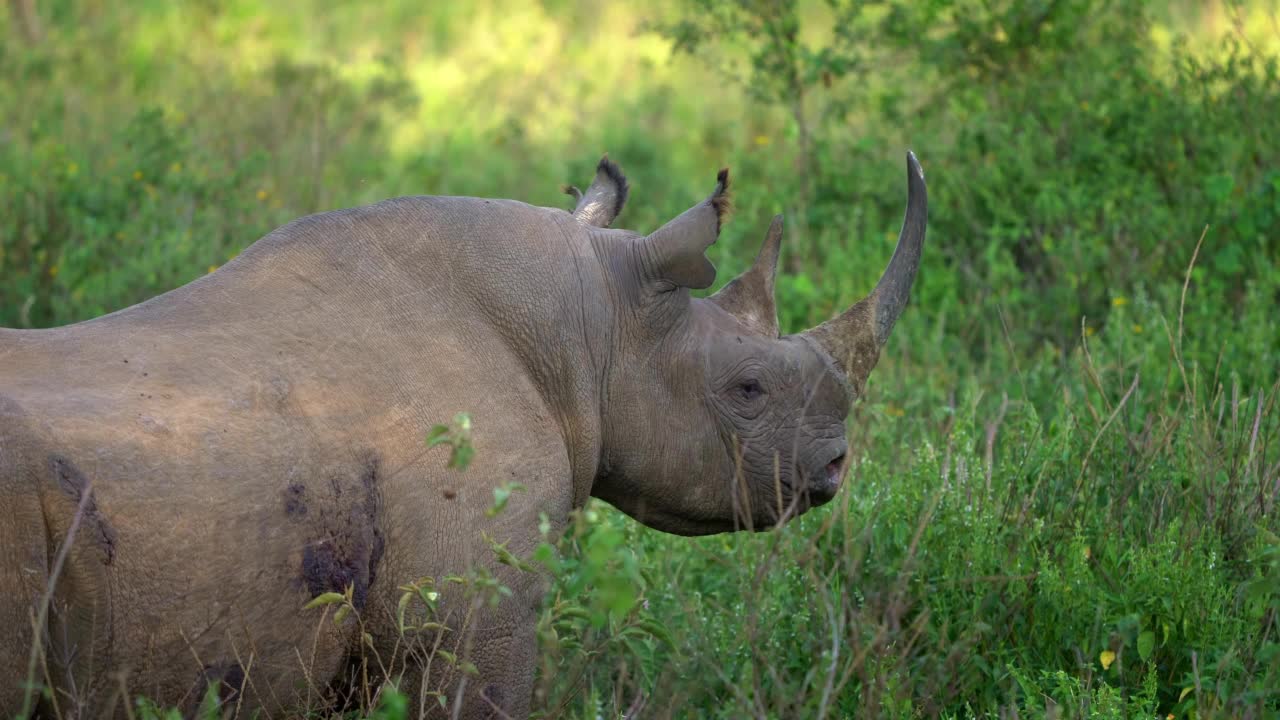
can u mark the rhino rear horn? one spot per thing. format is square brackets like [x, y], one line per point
[673, 256]
[749, 297]
[854, 338]
[601, 204]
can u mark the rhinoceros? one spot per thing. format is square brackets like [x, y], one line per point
[182, 477]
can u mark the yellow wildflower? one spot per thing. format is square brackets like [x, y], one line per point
[72, 169]
[1137, 329]
[763, 140]
[1119, 301]
[262, 195]
[212, 268]
[1088, 331]
[137, 174]
[1106, 658]
[176, 167]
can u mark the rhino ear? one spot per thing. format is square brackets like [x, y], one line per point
[603, 201]
[749, 297]
[674, 254]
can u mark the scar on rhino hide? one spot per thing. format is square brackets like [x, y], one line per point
[350, 540]
[295, 500]
[73, 482]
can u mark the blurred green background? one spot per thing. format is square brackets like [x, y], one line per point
[1068, 460]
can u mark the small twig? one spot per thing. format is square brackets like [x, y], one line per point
[1182, 304]
[42, 617]
[992, 428]
[1091, 370]
[1013, 355]
[637, 706]
[1098, 436]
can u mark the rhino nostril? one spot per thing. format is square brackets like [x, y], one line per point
[824, 486]
[833, 470]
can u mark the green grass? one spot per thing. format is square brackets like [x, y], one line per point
[1070, 451]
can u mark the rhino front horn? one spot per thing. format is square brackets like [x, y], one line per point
[854, 338]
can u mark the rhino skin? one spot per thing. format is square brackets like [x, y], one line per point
[180, 478]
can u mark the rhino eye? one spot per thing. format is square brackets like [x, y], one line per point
[750, 390]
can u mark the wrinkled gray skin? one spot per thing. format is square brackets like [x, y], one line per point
[223, 453]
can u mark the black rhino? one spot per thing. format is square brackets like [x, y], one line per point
[181, 477]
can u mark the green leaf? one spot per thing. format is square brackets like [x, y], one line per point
[400, 608]
[1146, 644]
[575, 612]
[328, 598]
[1219, 186]
[656, 630]
[461, 456]
[437, 435]
[501, 495]
[458, 436]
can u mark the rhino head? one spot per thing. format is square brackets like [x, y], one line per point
[712, 420]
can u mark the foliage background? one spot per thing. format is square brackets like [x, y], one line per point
[1064, 500]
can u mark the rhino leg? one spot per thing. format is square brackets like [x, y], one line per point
[503, 650]
[77, 644]
[23, 559]
[506, 657]
[23, 577]
[54, 550]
